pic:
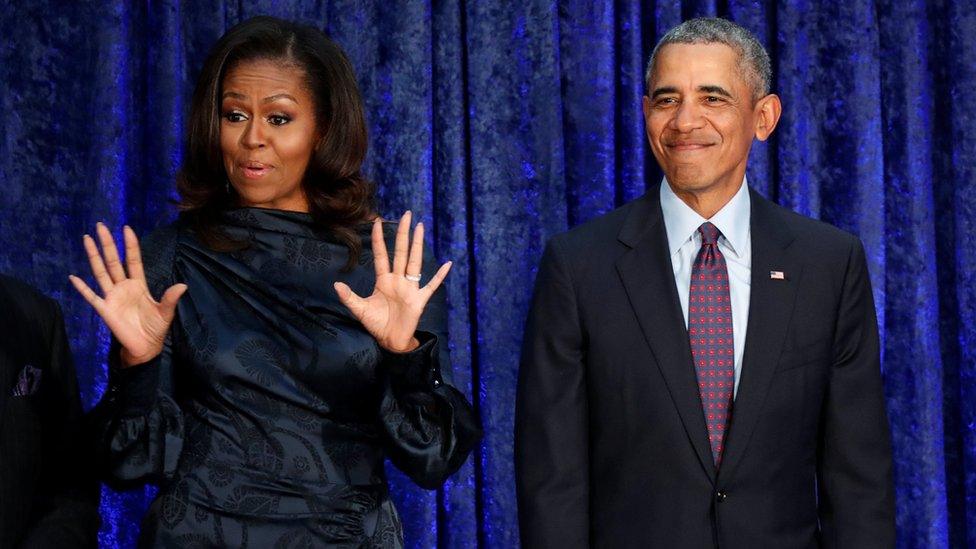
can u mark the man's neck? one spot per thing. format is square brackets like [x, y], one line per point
[707, 203]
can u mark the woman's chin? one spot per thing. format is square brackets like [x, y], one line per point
[273, 202]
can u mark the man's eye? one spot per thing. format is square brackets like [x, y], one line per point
[713, 99]
[235, 116]
[667, 101]
[278, 120]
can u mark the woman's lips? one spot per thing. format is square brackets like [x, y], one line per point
[255, 170]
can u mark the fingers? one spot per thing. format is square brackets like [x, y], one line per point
[133, 257]
[381, 260]
[87, 293]
[350, 299]
[401, 244]
[437, 279]
[111, 253]
[169, 300]
[416, 251]
[97, 265]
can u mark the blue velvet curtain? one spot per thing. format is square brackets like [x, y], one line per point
[502, 123]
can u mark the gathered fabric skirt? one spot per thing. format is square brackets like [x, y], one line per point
[226, 506]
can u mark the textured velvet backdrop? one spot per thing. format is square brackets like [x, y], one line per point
[502, 123]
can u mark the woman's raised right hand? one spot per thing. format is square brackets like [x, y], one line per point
[138, 321]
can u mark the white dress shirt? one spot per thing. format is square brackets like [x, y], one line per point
[684, 242]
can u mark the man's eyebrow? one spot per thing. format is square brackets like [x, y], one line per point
[663, 90]
[717, 90]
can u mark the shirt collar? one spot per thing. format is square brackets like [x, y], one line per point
[681, 222]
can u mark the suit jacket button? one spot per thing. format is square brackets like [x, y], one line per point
[721, 496]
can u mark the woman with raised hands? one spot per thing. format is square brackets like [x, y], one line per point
[268, 353]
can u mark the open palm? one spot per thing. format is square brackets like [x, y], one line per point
[138, 321]
[392, 312]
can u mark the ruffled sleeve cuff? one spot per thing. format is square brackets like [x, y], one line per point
[418, 370]
[134, 387]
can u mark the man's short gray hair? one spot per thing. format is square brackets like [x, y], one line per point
[753, 59]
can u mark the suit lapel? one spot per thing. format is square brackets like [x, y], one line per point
[10, 335]
[8, 376]
[770, 308]
[648, 279]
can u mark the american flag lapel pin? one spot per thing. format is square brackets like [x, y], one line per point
[777, 275]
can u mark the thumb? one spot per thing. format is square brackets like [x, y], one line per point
[168, 302]
[349, 298]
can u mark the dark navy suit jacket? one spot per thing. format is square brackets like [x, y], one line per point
[48, 492]
[611, 444]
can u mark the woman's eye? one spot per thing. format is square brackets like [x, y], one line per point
[278, 119]
[235, 116]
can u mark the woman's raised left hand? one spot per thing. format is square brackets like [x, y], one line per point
[391, 314]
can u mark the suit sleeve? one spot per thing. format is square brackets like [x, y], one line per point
[65, 506]
[856, 490]
[551, 426]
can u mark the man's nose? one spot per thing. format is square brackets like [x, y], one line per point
[688, 116]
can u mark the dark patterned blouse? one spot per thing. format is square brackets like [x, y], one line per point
[267, 418]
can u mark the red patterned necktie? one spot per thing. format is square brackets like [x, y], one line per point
[710, 333]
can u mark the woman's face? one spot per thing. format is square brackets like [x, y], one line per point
[267, 133]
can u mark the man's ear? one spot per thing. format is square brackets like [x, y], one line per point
[768, 111]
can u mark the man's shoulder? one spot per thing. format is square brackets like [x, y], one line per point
[813, 234]
[28, 314]
[17, 294]
[590, 251]
[601, 230]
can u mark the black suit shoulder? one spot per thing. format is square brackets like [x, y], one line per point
[602, 229]
[595, 244]
[27, 311]
[817, 241]
[599, 241]
[816, 231]
[22, 293]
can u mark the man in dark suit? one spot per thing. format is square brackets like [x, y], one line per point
[701, 366]
[48, 494]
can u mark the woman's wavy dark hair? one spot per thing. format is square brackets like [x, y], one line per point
[339, 195]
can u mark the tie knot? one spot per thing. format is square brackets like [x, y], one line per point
[709, 232]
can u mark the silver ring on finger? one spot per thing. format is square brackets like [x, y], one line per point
[412, 278]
